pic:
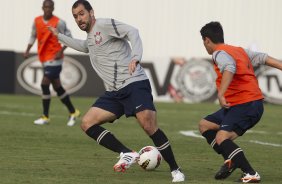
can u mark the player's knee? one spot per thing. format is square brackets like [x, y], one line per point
[149, 126]
[219, 139]
[45, 89]
[60, 91]
[203, 126]
[86, 123]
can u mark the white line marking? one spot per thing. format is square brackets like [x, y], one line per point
[16, 113]
[194, 133]
[256, 132]
[266, 143]
[191, 133]
[9, 113]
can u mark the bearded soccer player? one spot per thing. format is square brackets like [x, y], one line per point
[50, 53]
[240, 98]
[128, 89]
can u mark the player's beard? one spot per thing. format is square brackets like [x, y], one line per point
[84, 26]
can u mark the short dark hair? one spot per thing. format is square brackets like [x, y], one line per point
[213, 31]
[85, 3]
[51, 1]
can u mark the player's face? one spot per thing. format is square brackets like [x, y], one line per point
[48, 8]
[207, 42]
[82, 18]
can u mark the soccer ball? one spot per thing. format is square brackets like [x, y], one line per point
[150, 158]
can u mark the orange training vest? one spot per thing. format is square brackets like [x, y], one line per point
[48, 44]
[244, 86]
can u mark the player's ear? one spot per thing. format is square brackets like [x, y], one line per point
[92, 13]
[207, 40]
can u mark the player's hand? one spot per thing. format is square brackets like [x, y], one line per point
[223, 102]
[53, 30]
[58, 55]
[26, 55]
[132, 66]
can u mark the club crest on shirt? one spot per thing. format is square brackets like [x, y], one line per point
[98, 38]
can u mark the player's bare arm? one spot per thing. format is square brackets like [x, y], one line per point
[270, 61]
[26, 54]
[226, 80]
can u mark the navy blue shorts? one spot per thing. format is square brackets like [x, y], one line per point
[52, 72]
[238, 118]
[129, 100]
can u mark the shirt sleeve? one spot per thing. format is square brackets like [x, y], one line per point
[32, 37]
[224, 61]
[257, 58]
[62, 28]
[79, 45]
[120, 30]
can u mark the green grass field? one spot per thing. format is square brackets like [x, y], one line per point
[57, 154]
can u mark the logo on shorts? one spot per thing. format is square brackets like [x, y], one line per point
[30, 74]
[137, 107]
[98, 38]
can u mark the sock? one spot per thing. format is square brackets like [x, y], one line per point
[65, 99]
[210, 137]
[106, 139]
[46, 99]
[236, 154]
[161, 142]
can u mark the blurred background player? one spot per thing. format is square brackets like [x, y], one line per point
[239, 96]
[128, 89]
[50, 53]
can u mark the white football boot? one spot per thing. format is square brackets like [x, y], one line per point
[125, 161]
[248, 178]
[73, 117]
[42, 120]
[177, 176]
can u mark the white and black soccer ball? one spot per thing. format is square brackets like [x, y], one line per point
[150, 158]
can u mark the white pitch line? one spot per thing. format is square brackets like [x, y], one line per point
[191, 133]
[266, 143]
[9, 113]
[16, 113]
[194, 133]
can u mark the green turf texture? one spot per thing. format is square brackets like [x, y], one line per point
[58, 154]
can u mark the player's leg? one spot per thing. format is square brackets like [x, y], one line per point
[140, 104]
[62, 94]
[209, 126]
[105, 110]
[46, 99]
[91, 125]
[245, 116]
[147, 120]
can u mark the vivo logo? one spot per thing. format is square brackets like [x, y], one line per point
[270, 82]
[30, 74]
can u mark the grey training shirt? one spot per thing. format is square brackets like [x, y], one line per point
[225, 62]
[110, 52]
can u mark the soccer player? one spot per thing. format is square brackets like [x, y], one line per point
[240, 98]
[128, 89]
[50, 53]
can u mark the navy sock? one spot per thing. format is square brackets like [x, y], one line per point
[65, 99]
[236, 154]
[46, 99]
[210, 137]
[106, 139]
[161, 142]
